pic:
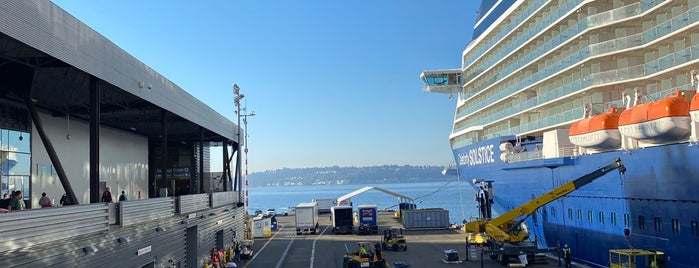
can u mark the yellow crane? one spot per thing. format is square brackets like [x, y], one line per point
[507, 235]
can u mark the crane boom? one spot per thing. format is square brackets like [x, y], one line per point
[503, 228]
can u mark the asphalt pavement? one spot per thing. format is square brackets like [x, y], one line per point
[325, 250]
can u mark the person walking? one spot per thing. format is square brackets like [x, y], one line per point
[122, 197]
[566, 255]
[106, 196]
[45, 201]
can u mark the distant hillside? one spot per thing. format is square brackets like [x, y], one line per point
[347, 175]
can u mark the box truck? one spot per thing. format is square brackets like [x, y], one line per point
[324, 204]
[306, 218]
[367, 219]
[341, 217]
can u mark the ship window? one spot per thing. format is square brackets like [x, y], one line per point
[553, 212]
[695, 228]
[579, 214]
[601, 217]
[641, 222]
[570, 214]
[658, 224]
[675, 226]
[627, 221]
[589, 216]
[612, 218]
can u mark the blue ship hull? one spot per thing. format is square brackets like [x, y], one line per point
[656, 199]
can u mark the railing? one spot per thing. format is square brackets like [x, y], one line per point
[191, 203]
[23, 229]
[137, 211]
[611, 16]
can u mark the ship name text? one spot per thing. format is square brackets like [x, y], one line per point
[477, 156]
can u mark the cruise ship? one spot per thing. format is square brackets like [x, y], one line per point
[550, 90]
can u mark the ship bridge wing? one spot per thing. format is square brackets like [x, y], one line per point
[442, 81]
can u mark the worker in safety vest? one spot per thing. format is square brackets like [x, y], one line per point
[566, 255]
[362, 251]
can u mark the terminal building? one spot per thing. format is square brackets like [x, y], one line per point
[77, 115]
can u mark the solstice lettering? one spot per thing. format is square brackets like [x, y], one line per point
[477, 156]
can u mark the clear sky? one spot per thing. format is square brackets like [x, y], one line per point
[332, 83]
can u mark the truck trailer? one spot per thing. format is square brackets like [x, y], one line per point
[341, 217]
[306, 218]
[324, 204]
[367, 219]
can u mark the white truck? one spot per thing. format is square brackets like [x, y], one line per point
[324, 204]
[306, 218]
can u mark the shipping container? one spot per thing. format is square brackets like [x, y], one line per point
[429, 218]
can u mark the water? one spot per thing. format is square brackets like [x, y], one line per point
[454, 196]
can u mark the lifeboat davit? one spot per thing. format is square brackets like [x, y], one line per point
[597, 132]
[658, 121]
[694, 108]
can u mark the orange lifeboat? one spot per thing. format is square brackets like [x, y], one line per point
[658, 121]
[597, 132]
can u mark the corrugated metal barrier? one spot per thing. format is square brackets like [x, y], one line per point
[39, 226]
[144, 210]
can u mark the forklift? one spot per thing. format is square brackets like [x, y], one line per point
[393, 239]
[367, 255]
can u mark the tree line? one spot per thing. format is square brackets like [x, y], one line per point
[347, 175]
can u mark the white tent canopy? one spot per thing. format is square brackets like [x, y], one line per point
[403, 198]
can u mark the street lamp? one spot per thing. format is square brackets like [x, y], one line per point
[245, 141]
[238, 97]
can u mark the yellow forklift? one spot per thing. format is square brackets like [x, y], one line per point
[367, 255]
[393, 239]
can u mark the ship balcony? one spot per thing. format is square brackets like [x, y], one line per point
[442, 81]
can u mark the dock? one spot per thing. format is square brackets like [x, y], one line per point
[425, 247]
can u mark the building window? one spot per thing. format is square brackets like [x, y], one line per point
[580, 215]
[658, 224]
[570, 214]
[589, 216]
[695, 228]
[612, 218]
[641, 222]
[553, 212]
[675, 226]
[601, 217]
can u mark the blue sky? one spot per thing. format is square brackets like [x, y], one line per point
[332, 83]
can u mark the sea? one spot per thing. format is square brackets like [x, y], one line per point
[458, 197]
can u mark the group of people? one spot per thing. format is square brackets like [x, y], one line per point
[219, 260]
[15, 200]
[107, 196]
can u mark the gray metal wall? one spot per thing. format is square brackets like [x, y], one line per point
[59, 237]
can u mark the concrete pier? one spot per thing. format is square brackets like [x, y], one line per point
[322, 250]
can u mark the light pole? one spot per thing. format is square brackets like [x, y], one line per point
[238, 97]
[245, 141]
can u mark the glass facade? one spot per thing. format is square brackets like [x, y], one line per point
[15, 152]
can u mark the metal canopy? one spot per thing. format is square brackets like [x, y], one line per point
[48, 56]
[368, 188]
